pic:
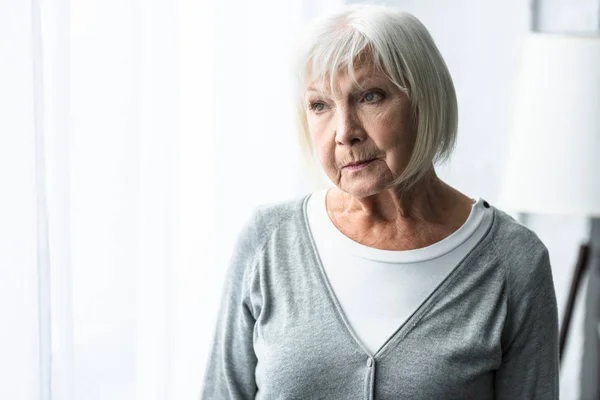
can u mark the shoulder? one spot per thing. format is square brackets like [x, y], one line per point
[513, 238]
[262, 223]
[268, 219]
[279, 211]
[521, 252]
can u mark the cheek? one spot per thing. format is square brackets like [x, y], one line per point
[317, 126]
[326, 154]
[392, 131]
[318, 133]
[386, 133]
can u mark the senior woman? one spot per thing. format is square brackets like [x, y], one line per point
[391, 284]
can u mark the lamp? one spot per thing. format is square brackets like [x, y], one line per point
[554, 154]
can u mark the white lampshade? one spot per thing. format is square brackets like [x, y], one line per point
[553, 164]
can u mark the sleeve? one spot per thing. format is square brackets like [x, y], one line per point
[230, 367]
[530, 362]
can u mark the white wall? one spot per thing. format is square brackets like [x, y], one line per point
[480, 41]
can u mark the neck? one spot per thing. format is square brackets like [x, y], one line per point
[426, 202]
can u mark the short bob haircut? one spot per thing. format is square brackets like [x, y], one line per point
[401, 48]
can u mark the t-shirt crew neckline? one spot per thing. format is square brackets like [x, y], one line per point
[430, 252]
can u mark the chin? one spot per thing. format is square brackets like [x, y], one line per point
[360, 190]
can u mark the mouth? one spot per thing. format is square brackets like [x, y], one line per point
[358, 164]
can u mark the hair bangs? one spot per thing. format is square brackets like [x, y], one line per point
[343, 50]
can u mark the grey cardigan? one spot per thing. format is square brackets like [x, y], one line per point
[488, 331]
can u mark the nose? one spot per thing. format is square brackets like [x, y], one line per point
[349, 130]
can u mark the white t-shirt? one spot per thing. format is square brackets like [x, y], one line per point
[378, 290]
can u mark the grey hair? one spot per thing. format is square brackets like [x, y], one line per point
[401, 48]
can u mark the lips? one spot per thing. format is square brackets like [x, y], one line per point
[358, 163]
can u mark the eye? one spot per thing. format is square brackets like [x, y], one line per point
[373, 97]
[316, 106]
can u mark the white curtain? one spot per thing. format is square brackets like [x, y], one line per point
[135, 137]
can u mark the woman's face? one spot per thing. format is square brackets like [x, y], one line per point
[371, 124]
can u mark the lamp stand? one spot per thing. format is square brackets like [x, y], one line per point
[580, 269]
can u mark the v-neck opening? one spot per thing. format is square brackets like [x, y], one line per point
[413, 318]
